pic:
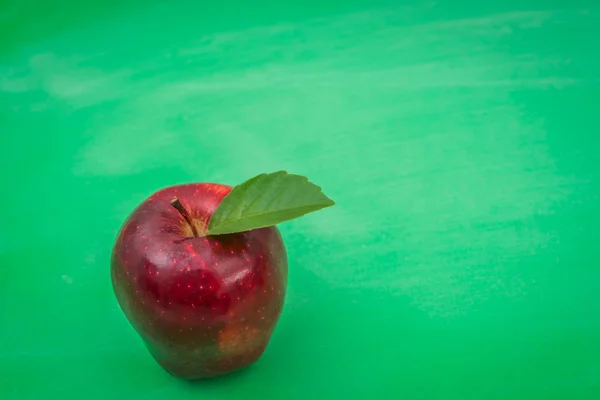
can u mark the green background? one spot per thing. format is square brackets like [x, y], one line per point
[460, 141]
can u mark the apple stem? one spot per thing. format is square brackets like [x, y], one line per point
[184, 213]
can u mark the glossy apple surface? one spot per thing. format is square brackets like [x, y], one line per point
[205, 305]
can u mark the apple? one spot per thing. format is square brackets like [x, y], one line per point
[204, 305]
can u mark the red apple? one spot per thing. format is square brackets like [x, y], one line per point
[204, 305]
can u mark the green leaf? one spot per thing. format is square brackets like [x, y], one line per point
[266, 200]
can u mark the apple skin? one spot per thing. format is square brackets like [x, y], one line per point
[204, 306]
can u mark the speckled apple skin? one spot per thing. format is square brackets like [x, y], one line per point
[204, 306]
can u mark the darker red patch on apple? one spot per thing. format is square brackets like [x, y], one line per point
[204, 306]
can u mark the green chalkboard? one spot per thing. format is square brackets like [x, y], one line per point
[459, 140]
